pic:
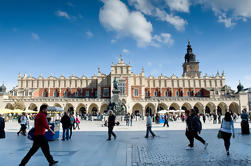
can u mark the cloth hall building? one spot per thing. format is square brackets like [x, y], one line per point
[139, 93]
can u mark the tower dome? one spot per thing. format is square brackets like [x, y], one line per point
[190, 56]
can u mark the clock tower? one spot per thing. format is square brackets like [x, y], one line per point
[191, 65]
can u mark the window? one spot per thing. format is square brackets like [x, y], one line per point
[198, 93]
[55, 94]
[155, 94]
[147, 93]
[87, 93]
[166, 94]
[15, 93]
[188, 93]
[177, 93]
[106, 92]
[121, 87]
[45, 94]
[136, 92]
[76, 94]
[26, 93]
[66, 93]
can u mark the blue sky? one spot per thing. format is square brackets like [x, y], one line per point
[65, 37]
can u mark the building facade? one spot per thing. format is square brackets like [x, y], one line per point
[138, 92]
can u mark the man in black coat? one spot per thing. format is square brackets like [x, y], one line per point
[166, 120]
[111, 124]
[66, 123]
[195, 127]
[2, 126]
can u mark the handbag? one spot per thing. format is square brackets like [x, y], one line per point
[219, 135]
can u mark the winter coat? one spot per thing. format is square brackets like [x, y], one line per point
[2, 126]
[66, 121]
[111, 120]
[194, 123]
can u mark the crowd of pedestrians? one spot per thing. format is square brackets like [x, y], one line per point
[70, 122]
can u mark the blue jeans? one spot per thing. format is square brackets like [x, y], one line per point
[67, 133]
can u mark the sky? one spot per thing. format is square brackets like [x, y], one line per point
[65, 37]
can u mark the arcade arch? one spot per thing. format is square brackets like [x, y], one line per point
[234, 107]
[104, 108]
[93, 109]
[69, 108]
[9, 106]
[186, 106]
[81, 109]
[162, 106]
[33, 107]
[221, 108]
[150, 108]
[137, 109]
[198, 107]
[210, 108]
[174, 106]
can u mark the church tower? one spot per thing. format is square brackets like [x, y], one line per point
[191, 66]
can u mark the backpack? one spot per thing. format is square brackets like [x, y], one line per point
[19, 119]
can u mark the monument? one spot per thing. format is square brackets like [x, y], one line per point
[116, 105]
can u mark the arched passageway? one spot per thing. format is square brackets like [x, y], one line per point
[150, 108]
[137, 109]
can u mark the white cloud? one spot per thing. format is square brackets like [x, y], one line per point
[229, 11]
[163, 38]
[63, 14]
[147, 8]
[35, 36]
[115, 16]
[89, 34]
[126, 51]
[227, 21]
[178, 5]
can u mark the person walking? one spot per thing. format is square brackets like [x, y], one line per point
[66, 123]
[204, 118]
[244, 122]
[166, 120]
[227, 129]
[111, 124]
[127, 117]
[188, 121]
[39, 139]
[149, 126]
[2, 126]
[23, 122]
[194, 128]
[72, 119]
[77, 122]
[131, 118]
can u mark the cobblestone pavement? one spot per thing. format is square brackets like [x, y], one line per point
[90, 148]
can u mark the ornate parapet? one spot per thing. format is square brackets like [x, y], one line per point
[48, 99]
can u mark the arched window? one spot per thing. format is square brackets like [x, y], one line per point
[177, 93]
[155, 94]
[45, 93]
[166, 94]
[188, 93]
[181, 93]
[66, 94]
[76, 94]
[198, 94]
[55, 93]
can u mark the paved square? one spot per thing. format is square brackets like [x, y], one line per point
[88, 147]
